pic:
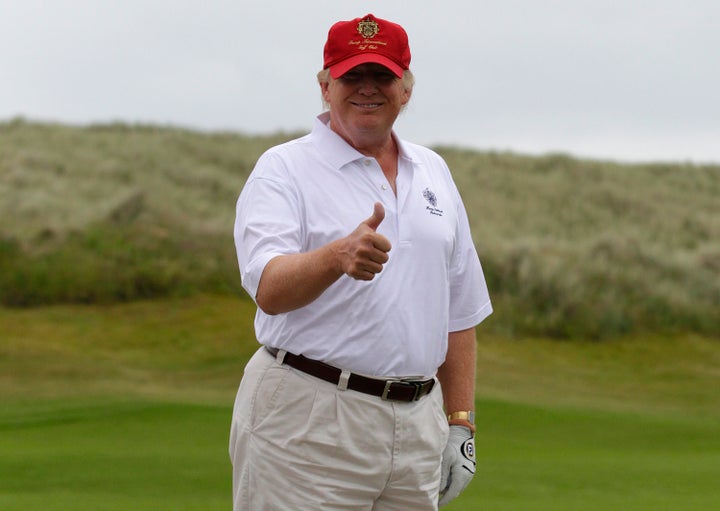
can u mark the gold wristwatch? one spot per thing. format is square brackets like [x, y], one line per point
[468, 416]
[466, 419]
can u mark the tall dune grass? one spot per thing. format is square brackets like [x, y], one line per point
[571, 248]
[594, 249]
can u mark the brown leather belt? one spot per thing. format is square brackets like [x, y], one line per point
[392, 390]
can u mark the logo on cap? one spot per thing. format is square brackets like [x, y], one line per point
[368, 28]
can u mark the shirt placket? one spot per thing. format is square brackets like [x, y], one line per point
[384, 193]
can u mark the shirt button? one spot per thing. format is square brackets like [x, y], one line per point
[384, 187]
[367, 163]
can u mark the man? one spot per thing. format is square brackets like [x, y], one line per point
[356, 247]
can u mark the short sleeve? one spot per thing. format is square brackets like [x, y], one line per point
[267, 220]
[469, 297]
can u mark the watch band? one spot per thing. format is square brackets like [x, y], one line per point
[465, 415]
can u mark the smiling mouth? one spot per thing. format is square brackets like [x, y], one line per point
[367, 105]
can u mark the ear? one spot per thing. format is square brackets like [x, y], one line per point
[324, 89]
[407, 94]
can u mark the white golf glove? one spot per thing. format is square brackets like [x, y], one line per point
[458, 463]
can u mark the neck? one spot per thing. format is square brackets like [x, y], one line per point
[369, 143]
[380, 150]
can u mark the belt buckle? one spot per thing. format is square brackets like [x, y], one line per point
[417, 385]
[386, 391]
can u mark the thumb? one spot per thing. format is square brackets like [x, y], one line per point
[377, 217]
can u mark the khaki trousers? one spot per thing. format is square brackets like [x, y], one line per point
[298, 443]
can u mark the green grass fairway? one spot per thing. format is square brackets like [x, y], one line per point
[549, 459]
[143, 455]
[127, 407]
[122, 456]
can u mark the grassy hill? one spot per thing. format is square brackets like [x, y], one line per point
[124, 331]
[571, 248]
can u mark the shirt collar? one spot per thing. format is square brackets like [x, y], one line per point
[336, 150]
[331, 145]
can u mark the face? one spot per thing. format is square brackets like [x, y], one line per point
[364, 103]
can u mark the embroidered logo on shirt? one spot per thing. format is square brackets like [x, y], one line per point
[432, 200]
[430, 197]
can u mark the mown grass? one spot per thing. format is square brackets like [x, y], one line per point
[539, 458]
[571, 248]
[127, 406]
[115, 455]
[141, 455]
[145, 349]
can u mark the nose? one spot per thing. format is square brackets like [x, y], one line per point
[368, 85]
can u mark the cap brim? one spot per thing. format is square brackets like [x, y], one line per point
[342, 67]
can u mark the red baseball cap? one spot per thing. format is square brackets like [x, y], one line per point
[364, 40]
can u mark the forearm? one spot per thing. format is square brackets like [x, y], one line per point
[457, 374]
[457, 377]
[289, 282]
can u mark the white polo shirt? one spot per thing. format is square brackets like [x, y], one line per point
[308, 192]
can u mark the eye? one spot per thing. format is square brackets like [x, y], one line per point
[351, 76]
[384, 77]
[380, 76]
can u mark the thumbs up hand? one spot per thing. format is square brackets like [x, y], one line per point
[377, 217]
[364, 251]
